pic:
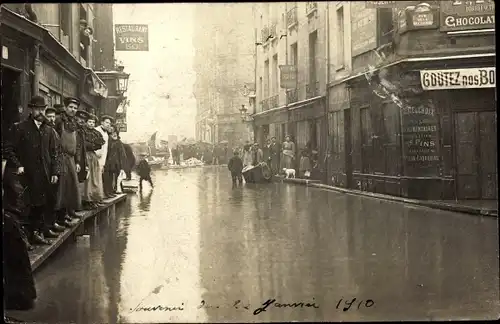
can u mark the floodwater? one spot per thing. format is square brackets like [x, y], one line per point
[194, 249]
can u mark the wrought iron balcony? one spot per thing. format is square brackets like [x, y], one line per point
[292, 95]
[312, 90]
[274, 101]
[264, 104]
[311, 6]
[291, 17]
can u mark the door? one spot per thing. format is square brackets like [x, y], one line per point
[475, 136]
[10, 97]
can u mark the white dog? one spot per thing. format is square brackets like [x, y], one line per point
[290, 173]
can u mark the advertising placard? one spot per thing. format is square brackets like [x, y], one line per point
[131, 37]
[288, 76]
[467, 15]
[363, 28]
[458, 78]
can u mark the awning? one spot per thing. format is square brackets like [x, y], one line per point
[98, 86]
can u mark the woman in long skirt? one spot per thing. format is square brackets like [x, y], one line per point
[288, 153]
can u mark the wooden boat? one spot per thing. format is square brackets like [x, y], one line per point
[257, 174]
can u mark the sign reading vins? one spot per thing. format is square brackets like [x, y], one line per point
[467, 15]
[420, 139]
[131, 37]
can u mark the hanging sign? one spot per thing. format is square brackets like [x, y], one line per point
[131, 37]
[288, 76]
[458, 78]
[467, 15]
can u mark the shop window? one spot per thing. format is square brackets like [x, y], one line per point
[386, 25]
[84, 39]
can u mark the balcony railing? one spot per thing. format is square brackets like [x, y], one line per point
[264, 104]
[292, 95]
[311, 7]
[264, 34]
[274, 101]
[312, 90]
[291, 17]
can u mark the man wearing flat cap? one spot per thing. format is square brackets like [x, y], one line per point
[68, 197]
[31, 148]
[92, 187]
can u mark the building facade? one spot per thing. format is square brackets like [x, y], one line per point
[224, 66]
[411, 99]
[48, 50]
[292, 74]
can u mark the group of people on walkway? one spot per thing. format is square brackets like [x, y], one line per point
[54, 163]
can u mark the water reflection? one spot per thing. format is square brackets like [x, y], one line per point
[195, 238]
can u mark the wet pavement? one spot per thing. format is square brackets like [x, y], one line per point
[195, 250]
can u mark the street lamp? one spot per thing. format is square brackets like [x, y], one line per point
[122, 82]
[245, 117]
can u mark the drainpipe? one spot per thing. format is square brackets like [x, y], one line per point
[37, 69]
[327, 94]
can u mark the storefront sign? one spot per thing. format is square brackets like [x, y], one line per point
[50, 76]
[467, 15]
[458, 79]
[131, 37]
[363, 28]
[390, 4]
[70, 89]
[288, 76]
[420, 139]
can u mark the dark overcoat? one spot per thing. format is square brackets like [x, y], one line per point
[37, 151]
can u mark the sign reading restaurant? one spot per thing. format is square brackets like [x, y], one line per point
[131, 37]
[467, 15]
[458, 79]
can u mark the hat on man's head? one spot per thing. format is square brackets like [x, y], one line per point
[103, 117]
[82, 114]
[37, 102]
[50, 110]
[93, 117]
[59, 108]
[69, 100]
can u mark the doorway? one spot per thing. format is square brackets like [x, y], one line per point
[476, 155]
[10, 97]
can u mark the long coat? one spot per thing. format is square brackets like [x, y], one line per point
[130, 157]
[116, 158]
[37, 151]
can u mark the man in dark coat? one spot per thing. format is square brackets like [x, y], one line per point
[115, 161]
[275, 151]
[235, 165]
[130, 161]
[144, 171]
[81, 117]
[32, 149]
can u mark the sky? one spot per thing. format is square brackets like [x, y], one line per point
[166, 69]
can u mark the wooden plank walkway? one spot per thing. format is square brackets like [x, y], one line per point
[42, 252]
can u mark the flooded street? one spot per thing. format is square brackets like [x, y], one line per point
[195, 250]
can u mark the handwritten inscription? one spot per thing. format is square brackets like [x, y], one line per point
[343, 305]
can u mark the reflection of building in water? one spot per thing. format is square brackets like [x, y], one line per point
[421, 62]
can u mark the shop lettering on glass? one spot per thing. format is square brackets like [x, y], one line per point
[458, 78]
[420, 135]
[363, 27]
[131, 37]
[467, 15]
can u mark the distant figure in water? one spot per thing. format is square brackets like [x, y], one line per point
[235, 165]
[144, 171]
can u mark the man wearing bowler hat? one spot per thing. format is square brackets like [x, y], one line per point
[31, 148]
[68, 197]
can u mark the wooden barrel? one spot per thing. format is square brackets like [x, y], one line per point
[258, 174]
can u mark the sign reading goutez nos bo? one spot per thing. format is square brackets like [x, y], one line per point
[458, 79]
[467, 15]
[131, 37]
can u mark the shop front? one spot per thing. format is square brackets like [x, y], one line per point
[50, 82]
[270, 123]
[436, 139]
